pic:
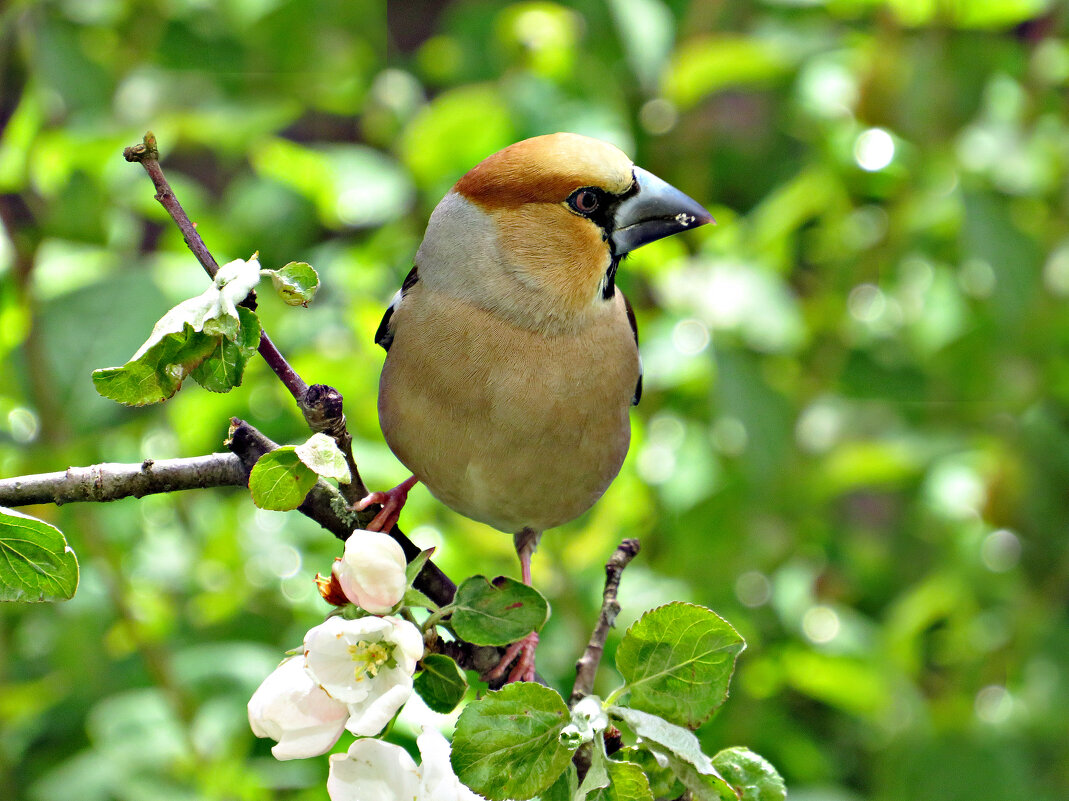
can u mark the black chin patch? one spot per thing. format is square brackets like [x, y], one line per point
[608, 286]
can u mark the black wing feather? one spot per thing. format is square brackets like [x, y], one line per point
[634, 330]
[384, 334]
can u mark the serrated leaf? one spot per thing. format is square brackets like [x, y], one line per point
[224, 367]
[627, 782]
[677, 661]
[214, 311]
[507, 744]
[296, 283]
[441, 684]
[564, 788]
[322, 454]
[156, 373]
[751, 775]
[702, 786]
[36, 563]
[194, 331]
[672, 738]
[280, 480]
[498, 612]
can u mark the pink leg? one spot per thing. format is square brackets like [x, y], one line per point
[392, 502]
[522, 651]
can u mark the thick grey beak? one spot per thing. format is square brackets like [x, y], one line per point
[656, 210]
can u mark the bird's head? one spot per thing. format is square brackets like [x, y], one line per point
[536, 230]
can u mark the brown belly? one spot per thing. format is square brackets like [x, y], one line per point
[532, 442]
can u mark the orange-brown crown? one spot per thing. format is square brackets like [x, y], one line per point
[546, 169]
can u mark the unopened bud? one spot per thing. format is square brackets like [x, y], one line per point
[331, 590]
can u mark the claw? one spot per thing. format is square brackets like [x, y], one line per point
[392, 501]
[523, 652]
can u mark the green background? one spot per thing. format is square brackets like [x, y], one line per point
[853, 439]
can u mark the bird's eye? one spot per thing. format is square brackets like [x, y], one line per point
[584, 201]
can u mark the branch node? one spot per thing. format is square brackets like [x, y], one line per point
[146, 150]
[322, 408]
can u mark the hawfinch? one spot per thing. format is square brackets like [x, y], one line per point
[511, 357]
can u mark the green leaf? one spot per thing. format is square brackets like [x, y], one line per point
[702, 786]
[680, 742]
[414, 597]
[225, 366]
[564, 788]
[498, 612]
[627, 782]
[753, 777]
[296, 283]
[155, 373]
[441, 684]
[193, 332]
[36, 564]
[322, 454]
[416, 565]
[507, 744]
[677, 661]
[280, 480]
[663, 782]
[597, 775]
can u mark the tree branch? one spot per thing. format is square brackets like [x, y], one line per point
[148, 156]
[321, 405]
[587, 666]
[327, 507]
[110, 481]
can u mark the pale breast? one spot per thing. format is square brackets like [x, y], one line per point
[505, 425]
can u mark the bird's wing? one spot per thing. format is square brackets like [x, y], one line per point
[634, 330]
[384, 334]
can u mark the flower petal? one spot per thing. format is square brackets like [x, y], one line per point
[437, 780]
[372, 770]
[370, 716]
[371, 571]
[291, 708]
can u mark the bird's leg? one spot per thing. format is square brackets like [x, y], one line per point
[392, 502]
[522, 651]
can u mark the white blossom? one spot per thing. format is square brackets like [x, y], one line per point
[376, 771]
[372, 770]
[292, 709]
[437, 782]
[366, 664]
[371, 571]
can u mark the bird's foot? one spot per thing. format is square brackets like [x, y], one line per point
[393, 501]
[523, 652]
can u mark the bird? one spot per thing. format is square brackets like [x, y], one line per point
[512, 357]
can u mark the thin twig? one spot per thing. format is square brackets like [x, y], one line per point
[587, 666]
[320, 404]
[148, 156]
[110, 481]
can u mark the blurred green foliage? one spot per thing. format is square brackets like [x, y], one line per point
[853, 440]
